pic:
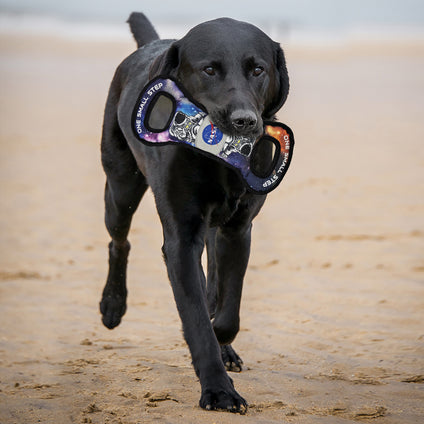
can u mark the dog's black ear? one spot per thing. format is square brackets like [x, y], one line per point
[167, 63]
[281, 85]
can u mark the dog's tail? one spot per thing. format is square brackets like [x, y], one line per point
[142, 29]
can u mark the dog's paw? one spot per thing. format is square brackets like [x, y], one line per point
[224, 400]
[112, 307]
[232, 361]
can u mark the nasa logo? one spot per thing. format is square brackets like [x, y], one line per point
[212, 135]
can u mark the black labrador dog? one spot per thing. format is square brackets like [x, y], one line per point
[239, 75]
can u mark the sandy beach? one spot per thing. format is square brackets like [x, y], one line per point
[333, 305]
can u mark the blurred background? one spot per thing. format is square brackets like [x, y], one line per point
[299, 21]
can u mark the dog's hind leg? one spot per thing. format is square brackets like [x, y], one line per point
[119, 211]
[125, 187]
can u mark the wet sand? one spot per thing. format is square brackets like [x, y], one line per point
[333, 307]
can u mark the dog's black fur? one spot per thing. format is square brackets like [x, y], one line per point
[239, 74]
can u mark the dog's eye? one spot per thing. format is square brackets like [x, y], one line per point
[257, 71]
[209, 70]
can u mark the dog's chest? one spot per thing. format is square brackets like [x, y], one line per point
[221, 213]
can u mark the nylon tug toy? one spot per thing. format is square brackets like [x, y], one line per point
[164, 114]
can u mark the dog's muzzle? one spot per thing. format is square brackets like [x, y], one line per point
[164, 113]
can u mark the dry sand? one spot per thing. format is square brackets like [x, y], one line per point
[333, 307]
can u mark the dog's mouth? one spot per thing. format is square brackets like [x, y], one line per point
[238, 123]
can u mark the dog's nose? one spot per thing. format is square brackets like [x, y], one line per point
[243, 120]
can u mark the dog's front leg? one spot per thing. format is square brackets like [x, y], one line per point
[228, 257]
[183, 246]
[232, 257]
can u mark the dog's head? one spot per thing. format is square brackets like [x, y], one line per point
[233, 69]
